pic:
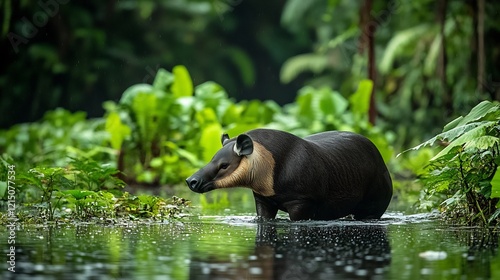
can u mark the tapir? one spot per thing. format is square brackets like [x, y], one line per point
[323, 176]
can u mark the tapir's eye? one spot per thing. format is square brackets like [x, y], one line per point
[224, 165]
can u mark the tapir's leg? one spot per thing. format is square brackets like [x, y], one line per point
[377, 200]
[265, 208]
[369, 209]
[300, 210]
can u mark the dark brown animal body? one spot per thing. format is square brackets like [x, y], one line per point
[324, 176]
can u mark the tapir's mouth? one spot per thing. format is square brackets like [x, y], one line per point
[199, 186]
[205, 188]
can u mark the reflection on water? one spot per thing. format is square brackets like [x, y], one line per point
[237, 247]
[305, 251]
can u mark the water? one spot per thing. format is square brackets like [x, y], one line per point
[235, 246]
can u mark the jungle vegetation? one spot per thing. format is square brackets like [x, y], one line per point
[97, 102]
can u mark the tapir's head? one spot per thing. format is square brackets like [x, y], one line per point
[240, 162]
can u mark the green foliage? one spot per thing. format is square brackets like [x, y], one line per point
[58, 135]
[403, 40]
[148, 206]
[418, 89]
[46, 188]
[84, 205]
[301, 63]
[182, 85]
[89, 174]
[464, 173]
[64, 166]
[81, 55]
[317, 110]
[48, 181]
[85, 190]
[117, 130]
[167, 130]
[159, 134]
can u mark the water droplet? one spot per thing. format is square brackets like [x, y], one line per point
[349, 268]
[255, 270]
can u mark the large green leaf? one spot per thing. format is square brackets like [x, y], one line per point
[183, 85]
[206, 116]
[451, 134]
[252, 112]
[191, 157]
[304, 101]
[382, 145]
[210, 140]
[399, 42]
[477, 113]
[329, 102]
[468, 136]
[301, 63]
[208, 90]
[431, 58]
[453, 124]
[344, 36]
[339, 102]
[144, 107]
[360, 100]
[78, 194]
[163, 80]
[116, 129]
[232, 114]
[495, 185]
[210, 94]
[130, 93]
[482, 143]
[238, 128]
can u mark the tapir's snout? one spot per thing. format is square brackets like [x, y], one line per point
[193, 183]
[219, 172]
[197, 184]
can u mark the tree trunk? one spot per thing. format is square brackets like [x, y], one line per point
[443, 58]
[367, 42]
[480, 45]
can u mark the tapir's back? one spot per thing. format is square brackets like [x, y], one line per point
[336, 138]
[338, 143]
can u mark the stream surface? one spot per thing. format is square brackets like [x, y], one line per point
[235, 246]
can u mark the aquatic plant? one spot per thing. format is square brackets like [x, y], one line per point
[84, 190]
[463, 178]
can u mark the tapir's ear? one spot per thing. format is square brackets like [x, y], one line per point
[224, 139]
[244, 145]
